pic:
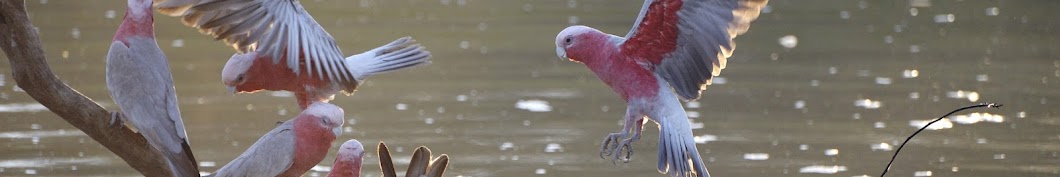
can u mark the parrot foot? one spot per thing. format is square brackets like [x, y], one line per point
[613, 146]
[115, 118]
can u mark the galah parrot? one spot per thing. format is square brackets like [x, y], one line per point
[348, 160]
[672, 52]
[269, 32]
[141, 84]
[292, 148]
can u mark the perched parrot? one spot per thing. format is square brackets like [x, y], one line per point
[269, 32]
[672, 52]
[141, 85]
[292, 148]
[348, 160]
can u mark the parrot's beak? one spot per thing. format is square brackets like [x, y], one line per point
[231, 89]
[337, 131]
[561, 53]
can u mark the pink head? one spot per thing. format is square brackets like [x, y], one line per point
[577, 43]
[139, 9]
[234, 73]
[348, 160]
[325, 116]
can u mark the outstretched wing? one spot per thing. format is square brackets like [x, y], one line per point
[688, 41]
[271, 155]
[276, 28]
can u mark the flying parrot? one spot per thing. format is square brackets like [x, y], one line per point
[141, 84]
[292, 148]
[673, 51]
[282, 48]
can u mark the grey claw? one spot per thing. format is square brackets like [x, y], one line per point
[115, 118]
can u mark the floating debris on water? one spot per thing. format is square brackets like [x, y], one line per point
[207, 164]
[821, 169]
[882, 147]
[553, 147]
[922, 173]
[109, 14]
[844, 15]
[992, 11]
[533, 105]
[883, 80]
[831, 152]
[944, 18]
[868, 104]
[879, 125]
[970, 95]
[692, 104]
[799, 104]
[756, 156]
[977, 117]
[703, 139]
[910, 73]
[401, 106]
[177, 43]
[941, 124]
[789, 41]
[982, 78]
[920, 3]
[540, 171]
[284, 94]
[22, 107]
[465, 44]
[507, 146]
[718, 80]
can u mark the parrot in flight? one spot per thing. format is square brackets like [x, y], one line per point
[292, 148]
[673, 51]
[140, 82]
[281, 47]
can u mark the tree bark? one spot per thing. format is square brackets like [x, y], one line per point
[21, 43]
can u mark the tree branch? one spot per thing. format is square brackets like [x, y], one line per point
[21, 43]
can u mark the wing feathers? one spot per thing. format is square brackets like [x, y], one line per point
[689, 59]
[281, 29]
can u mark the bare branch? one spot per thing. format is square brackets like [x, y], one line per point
[21, 43]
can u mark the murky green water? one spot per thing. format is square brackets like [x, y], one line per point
[860, 72]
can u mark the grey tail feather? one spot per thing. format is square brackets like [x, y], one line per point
[400, 54]
[675, 152]
[181, 162]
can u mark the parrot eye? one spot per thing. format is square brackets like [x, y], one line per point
[567, 41]
[325, 120]
[240, 77]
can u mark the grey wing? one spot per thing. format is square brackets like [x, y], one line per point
[140, 83]
[145, 95]
[705, 30]
[275, 28]
[271, 155]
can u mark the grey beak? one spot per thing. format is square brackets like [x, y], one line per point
[337, 131]
[231, 90]
[562, 54]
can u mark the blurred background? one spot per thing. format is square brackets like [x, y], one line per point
[815, 88]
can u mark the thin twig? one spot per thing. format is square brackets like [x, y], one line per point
[929, 124]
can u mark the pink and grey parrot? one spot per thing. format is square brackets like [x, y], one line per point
[141, 84]
[348, 160]
[292, 148]
[283, 48]
[674, 50]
